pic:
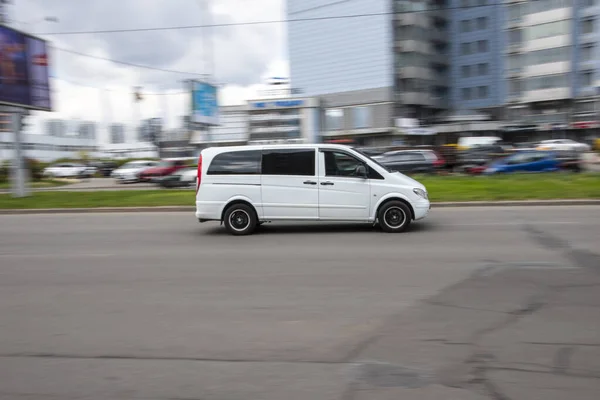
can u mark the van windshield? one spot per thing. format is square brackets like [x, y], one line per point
[371, 159]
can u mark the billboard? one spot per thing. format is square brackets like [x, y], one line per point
[24, 78]
[205, 107]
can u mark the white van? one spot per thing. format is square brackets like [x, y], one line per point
[248, 185]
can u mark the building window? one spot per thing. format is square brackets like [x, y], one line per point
[555, 54]
[588, 3]
[466, 93]
[482, 69]
[514, 62]
[362, 117]
[514, 87]
[466, 71]
[515, 12]
[465, 25]
[587, 53]
[547, 5]
[587, 26]
[482, 91]
[548, 82]
[587, 79]
[482, 23]
[550, 29]
[465, 49]
[482, 46]
[515, 37]
[585, 107]
[464, 3]
[300, 162]
[334, 119]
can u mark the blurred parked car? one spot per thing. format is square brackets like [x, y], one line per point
[466, 142]
[69, 170]
[128, 173]
[411, 161]
[563, 145]
[163, 168]
[479, 155]
[105, 168]
[529, 161]
[182, 178]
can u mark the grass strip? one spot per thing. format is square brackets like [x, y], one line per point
[440, 188]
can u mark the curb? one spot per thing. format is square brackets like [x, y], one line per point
[461, 204]
[515, 203]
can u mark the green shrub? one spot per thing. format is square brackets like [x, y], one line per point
[4, 171]
[36, 169]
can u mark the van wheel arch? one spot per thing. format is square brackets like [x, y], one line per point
[234, 202]
[410, 207]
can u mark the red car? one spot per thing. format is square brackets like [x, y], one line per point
[164, 168]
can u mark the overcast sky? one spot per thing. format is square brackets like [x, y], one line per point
[244, 56]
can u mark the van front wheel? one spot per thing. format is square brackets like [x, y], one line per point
[394, 217]
[240, 219]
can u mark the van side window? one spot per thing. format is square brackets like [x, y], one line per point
[340, 164]
[236, 163]
[289, 162]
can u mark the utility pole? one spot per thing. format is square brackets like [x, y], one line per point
[19, 172]
[209, 61]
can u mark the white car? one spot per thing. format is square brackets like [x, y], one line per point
[249, 185]
[69, 170]
[128, 173]
[563, 145]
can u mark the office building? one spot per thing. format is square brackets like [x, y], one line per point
[477, 55]
[47, 148]
[532, 65]
[294, 120]
[367, 71]
[232, 129]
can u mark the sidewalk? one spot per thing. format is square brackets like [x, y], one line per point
[511, 332]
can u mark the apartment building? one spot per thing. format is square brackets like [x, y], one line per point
[370, 61]
[477, 55]
[534, 65]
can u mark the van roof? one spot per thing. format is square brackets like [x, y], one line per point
[216, 150]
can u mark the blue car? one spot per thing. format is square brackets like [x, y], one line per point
[526, 161]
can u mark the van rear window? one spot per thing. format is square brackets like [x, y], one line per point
[289, 162]
[247, 162]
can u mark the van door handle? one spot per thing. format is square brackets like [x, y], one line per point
[310, 182]
[327, 183]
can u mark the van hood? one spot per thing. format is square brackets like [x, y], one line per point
[407, 180]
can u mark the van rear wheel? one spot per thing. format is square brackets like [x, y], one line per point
[394, 216]
[240, 219]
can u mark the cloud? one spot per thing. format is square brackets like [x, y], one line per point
[243, 56]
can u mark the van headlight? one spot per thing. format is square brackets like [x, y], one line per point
[421, 193]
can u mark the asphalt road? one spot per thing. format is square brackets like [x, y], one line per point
[157, 306]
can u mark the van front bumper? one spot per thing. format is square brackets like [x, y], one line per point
[421, 209]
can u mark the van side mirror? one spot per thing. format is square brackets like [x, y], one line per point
[361, 171]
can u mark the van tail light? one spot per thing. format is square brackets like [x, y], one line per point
[199, 174]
